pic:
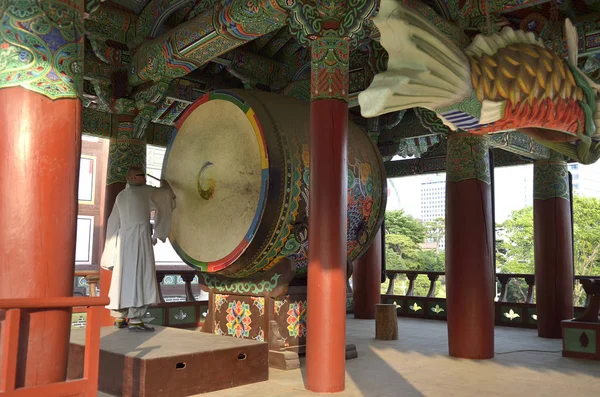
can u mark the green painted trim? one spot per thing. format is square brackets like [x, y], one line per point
[551, 180]
[468, 158]
[42, 47]
[232, 286]
[159, 315]
[182, 315]
[573, 342]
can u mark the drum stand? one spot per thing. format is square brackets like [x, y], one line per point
[270, 308]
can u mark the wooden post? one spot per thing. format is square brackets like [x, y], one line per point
[553, 246]
[40, 145]
[366, 281]
[160, 277]
[92, 282]
[470, 272]
[386, 322]
[433, 278]
[188, 278]
[326, 315]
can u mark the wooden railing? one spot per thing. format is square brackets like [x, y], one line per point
[86, 386]
[517, 314]
[186, 274]
[92, 278]
[187, 314]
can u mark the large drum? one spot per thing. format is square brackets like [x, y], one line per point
[239, 165]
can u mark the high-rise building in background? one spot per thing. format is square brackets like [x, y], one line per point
[424, 196]
[586, 179]
[433, 200]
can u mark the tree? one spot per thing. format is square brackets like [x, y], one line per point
[436, 231]
[398, 222]
[515, 253]
[586, 230]
[404, 236]
[516, 250]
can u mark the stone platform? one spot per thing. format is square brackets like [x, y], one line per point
[170, 362]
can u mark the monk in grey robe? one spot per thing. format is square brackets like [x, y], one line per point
[128, 250]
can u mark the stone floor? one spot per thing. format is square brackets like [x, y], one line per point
[418, 365]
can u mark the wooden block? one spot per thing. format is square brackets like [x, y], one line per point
[351, 351]
[581, 339]
[170, 362]
[386, 322]
[284, 360]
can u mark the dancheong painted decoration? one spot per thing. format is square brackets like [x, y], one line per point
[241, 210]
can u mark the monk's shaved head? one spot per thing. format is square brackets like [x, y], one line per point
[133, 171]
[135, 176]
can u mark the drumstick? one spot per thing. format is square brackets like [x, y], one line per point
[153, 177]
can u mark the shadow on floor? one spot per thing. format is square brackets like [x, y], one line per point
[514, 347]
[371, 376]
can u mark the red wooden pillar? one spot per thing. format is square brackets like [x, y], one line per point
[366, 281]
[124, 152]
[470, 272]
[40, 145]
[326, 321]
[553, 246]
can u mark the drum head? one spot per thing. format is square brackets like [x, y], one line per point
[217, 166]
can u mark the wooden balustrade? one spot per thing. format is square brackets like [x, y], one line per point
[86, 386]
[186, 274]
[93, 278]
[412, 276]
[183, 314]
[517, 314]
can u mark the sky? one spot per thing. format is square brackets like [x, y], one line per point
[513, 189]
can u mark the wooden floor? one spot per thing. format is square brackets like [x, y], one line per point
[418, 365]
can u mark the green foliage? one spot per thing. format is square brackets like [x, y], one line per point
[516, 253]
[404, 236]
[436, 230]
[586, 229]
[399, 223]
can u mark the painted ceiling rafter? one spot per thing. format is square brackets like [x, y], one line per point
[284, 65]
[214, 32]
[153, 16]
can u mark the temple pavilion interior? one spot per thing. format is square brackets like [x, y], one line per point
[367, 197]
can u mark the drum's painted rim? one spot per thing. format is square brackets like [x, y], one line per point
[222, 263]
